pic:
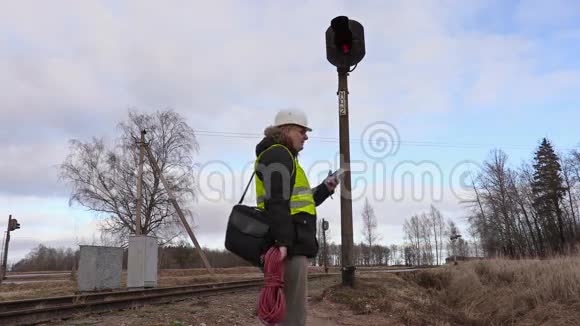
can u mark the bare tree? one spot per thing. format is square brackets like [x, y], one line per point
[358, 254]
[438, 225]
[412, 230]
[380, 255]
[104, 179]
[495, 214]
[320, 235]
[334, 253]
[369, 230]
[453, 233]
[574, 187]
[569, 183]
[43, 258]
[530, 211]
[525, 199]
[462, 247]
[394, 254]
[409, 254]
[476, 242]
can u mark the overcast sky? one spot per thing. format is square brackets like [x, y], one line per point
[444, 82]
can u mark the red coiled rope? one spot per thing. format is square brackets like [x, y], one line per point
[272, 304]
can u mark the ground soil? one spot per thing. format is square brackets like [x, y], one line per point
[494, 292]
[232, 309]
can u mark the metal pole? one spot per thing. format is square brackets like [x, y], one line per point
[173, 201]
[140, 185]
[325, 248]
[2, 256]
[5, 258]
[454, 254]
[348, 267]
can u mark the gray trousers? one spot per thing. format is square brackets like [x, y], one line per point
[295, 290]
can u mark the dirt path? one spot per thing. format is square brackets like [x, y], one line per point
[328, 314]
[230, 309]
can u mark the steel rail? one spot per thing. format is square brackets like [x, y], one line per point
[33, 311]
[105, 296]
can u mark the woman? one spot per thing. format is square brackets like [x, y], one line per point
[283, 191]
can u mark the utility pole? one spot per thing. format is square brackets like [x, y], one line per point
[345, 47]
[173, 201]
[325, 252]
[140, 184]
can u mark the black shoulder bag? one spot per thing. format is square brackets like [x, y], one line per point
[247, 233]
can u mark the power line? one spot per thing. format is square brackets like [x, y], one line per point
[226, 134]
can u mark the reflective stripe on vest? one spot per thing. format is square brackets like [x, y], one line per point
[301, 199]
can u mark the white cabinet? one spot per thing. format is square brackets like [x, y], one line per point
[99, 268]
[142, 262]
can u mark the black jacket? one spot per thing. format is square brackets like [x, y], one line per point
[297, 232]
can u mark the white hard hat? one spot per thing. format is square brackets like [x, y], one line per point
[291, 117]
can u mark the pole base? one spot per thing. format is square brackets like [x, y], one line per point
[348, 276]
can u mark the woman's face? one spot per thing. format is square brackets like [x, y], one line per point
[297, 136]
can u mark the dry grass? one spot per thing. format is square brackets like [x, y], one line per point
[10, 292]
[499, 292]
[391, 296]
[493, 292]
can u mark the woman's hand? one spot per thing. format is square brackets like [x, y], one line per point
[283, 252]
[331, 182]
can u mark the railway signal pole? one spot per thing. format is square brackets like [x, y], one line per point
[12, 225]
[325, 252]
[345, 47]
[453, 239]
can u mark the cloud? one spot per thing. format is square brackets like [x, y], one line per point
[538, 15]
[31, 169]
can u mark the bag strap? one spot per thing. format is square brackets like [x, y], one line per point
[293, 172]
[246, 190]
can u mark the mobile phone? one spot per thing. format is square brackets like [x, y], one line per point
[336, 174]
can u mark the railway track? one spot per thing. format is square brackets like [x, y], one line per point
[34, 311]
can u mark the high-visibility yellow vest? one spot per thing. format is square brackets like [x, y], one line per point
[301, 199]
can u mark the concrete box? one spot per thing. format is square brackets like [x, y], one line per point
[142, 262]
[99, 268]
